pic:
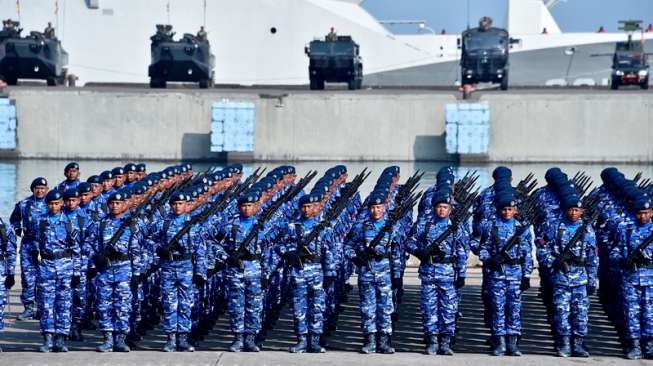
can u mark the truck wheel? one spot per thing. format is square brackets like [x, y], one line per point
[313, 84]
[359, 84]
[51, 81]
[204, 84]
[351, 84]
[504, 82]
[320, 84]
[614, 85]
[11, 80]
[157, 83]
[644, 85]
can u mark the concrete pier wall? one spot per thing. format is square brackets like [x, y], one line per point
[369, 125]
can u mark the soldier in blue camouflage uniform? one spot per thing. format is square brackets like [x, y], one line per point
[183, 264]
[573, 276]
[636, 261]
[71, 171]
[7, 266]
[442, 270]
[246, 275]
[58, 272]
[80, 221]
[374, 274]
[22, 218]
[307, 263]
[509, 272]
[115, 259]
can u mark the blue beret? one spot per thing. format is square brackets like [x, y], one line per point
[53, 195]
[309, 198]
[504, 199]
[71, 165]
[139, 188]
[188, 166]
[106, 175]
[502, 172]
[641, 203]
[117, 196]
[551, 174]
[40, 181]
[236, 168]
[609, 173]
[84, 187]
[570, 201]
[127, 192]
[290, 169]
[227, 172]
[251, 196]
[440, 197]
[94, 179]
[376, 198]
[70, 193]
[445, 173]
[118, 171]
[141, 167]
[177, 196]
[130, 167]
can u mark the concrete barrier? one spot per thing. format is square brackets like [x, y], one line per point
[341, 126]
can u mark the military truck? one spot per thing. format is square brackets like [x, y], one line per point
[335, 59]
[484, 54]
[629, 64]
[188, 59]
[36, 56]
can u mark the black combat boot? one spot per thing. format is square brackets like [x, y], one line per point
[370, 343]
[513, 347]
[237, 344]
[182, 343]
[107, 345]
[432, 346]
[648, 348]
[564, 347]
[120, 345]
[301, 345]
[578, 349]
[445, 345]
[250, 343]
[385, 344]
[315, 346]
[633, 350]
[499, 346]
[48, 343]
[171, 343]
[28, 313]
[60, 343]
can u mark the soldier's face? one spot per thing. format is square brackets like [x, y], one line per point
[308, 210]
[72, 203]
[107, 184]
[86, 197]
[116, 207]
[644, 216]
[507, 213]
[40, 191]
[247, 209]
[442, 210]
[574, 213]
[96, 189]
[178, 207]
[131, 176]
[376, 211]
[54, 207]
[72, 173]
[120, 180]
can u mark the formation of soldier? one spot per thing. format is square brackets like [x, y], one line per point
[176, 249]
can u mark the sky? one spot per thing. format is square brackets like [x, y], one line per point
[451, 15]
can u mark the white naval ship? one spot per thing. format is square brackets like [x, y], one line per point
[261, 42]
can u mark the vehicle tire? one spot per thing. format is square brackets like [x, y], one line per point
[157, 83]
[504, 82]
[359, 84]
[320, 84]
[11, 80]
[351, 84]
[614, 85]
[51, 81]
[313, 84]
[204, 84]
[644, 85]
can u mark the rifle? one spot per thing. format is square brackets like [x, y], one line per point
[525, 186]
[566, 253]
[334, 212]
[214, 207]
[459, 216]
[265, 215]
[636, 255]
[394, 216]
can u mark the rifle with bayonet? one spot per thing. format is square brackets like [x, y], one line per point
[567, 254]
[636, 257]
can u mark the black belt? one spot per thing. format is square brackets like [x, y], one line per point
[250, 257]
[514, 261]
[118, 257]
[441, 260]
[312, 259]
[60, 254]
[179, 257]
[576, 262]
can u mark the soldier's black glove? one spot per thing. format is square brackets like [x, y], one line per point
[91, 273]
[219, 266]
[163, 252]
[10, 281]
[100, 260]
[460, 282]
[591, 290]
[35, 256]
[198, 280]
[557, 264]
[143, 277]
[358, 261]
[75, 281]
[492, 264]
[328, 280]
[133, 283]
[152, 270]
[525, 284]
[292, 258]
[18, 231]
[396, 283]
[627, 264]
[232, 261]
